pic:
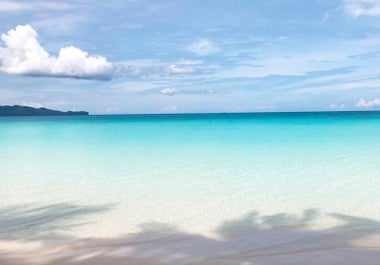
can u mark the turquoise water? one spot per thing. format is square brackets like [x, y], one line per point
[193, 171]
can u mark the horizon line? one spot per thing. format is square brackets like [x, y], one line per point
[224, 113]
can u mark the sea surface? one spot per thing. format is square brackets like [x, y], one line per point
[196, 173]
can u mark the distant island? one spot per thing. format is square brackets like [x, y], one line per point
[17, 110]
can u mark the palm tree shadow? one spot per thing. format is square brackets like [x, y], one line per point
[42, 222]
[253, 239]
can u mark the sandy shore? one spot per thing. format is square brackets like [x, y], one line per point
[37, 237]
[269, 247]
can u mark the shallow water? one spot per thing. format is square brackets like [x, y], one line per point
[195, 173]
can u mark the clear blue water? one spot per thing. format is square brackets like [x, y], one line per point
[194, 171]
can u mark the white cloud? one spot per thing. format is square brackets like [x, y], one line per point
[53, 104]
[150, 68]
[190, 62]
[169, 91]
[14, 6]
[24, 55]
[65, 23]
[203, 47]
[362, 7]
[348, 81]
[8, 6]
[336, 106]
[368, 104]
[180, 69]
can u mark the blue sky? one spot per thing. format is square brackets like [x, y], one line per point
[155, 56]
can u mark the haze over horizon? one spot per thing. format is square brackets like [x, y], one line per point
[190, 56]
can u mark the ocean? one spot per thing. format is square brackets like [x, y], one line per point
[201, 174]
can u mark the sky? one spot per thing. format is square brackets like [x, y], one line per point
[181, 56]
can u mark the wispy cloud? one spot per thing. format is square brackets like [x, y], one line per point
[368, 104]
[53, 104]
[24, 55]
[362, 7]
[339, 85]
[7, 6]
[336, 106]
[59, 25]
[203, 47]
[149, 68]
[180, 69]
[292, 64]
[15, 6]
[174, 91]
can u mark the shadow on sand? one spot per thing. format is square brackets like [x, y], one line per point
[33, 235]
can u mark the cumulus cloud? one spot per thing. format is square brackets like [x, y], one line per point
[368, 104]
[362, 7]
[203, 47]
[24, 55]
[169, 91]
